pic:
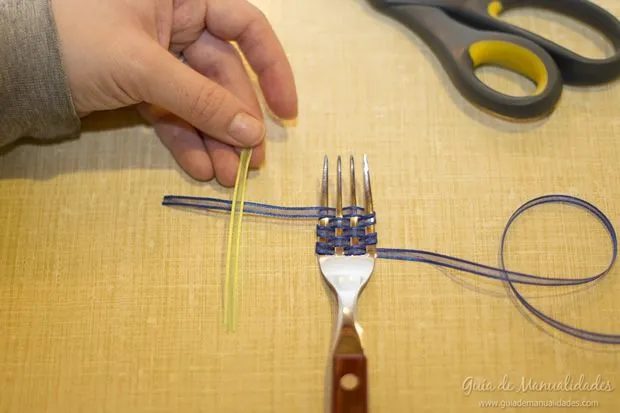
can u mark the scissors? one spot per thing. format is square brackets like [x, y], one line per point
[466, 34]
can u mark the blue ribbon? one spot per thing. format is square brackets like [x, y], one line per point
[510, 277]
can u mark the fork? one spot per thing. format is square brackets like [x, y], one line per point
[346, 250]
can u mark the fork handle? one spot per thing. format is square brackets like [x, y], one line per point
[349, 383]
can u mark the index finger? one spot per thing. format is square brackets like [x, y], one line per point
[239, 21]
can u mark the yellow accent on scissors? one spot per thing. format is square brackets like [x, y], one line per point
[512, 57]
[495, 8]
[231, 281]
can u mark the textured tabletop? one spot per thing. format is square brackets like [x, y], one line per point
[111, 302]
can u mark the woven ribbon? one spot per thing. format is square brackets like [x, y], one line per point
[330, 241]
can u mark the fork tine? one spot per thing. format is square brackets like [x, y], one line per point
[339, 214]
[368, 207]
[353, 204]
[324, 185]
[324, 211]
[339, 188]
[353, 197]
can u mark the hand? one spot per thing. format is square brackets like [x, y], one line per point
[119, 53]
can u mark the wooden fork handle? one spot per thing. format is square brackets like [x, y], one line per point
[349, 383]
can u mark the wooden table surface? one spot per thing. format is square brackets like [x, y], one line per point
[111, 302]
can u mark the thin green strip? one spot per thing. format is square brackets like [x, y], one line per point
[231, 282]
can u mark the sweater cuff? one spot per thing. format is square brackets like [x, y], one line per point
[35, 99]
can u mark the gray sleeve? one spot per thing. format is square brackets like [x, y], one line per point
[35, 100]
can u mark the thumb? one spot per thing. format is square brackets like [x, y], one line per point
[170, 84]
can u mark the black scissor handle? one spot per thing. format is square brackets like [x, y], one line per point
[462, 49]
[576, 69]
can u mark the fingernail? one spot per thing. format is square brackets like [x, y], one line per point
[246, 130]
